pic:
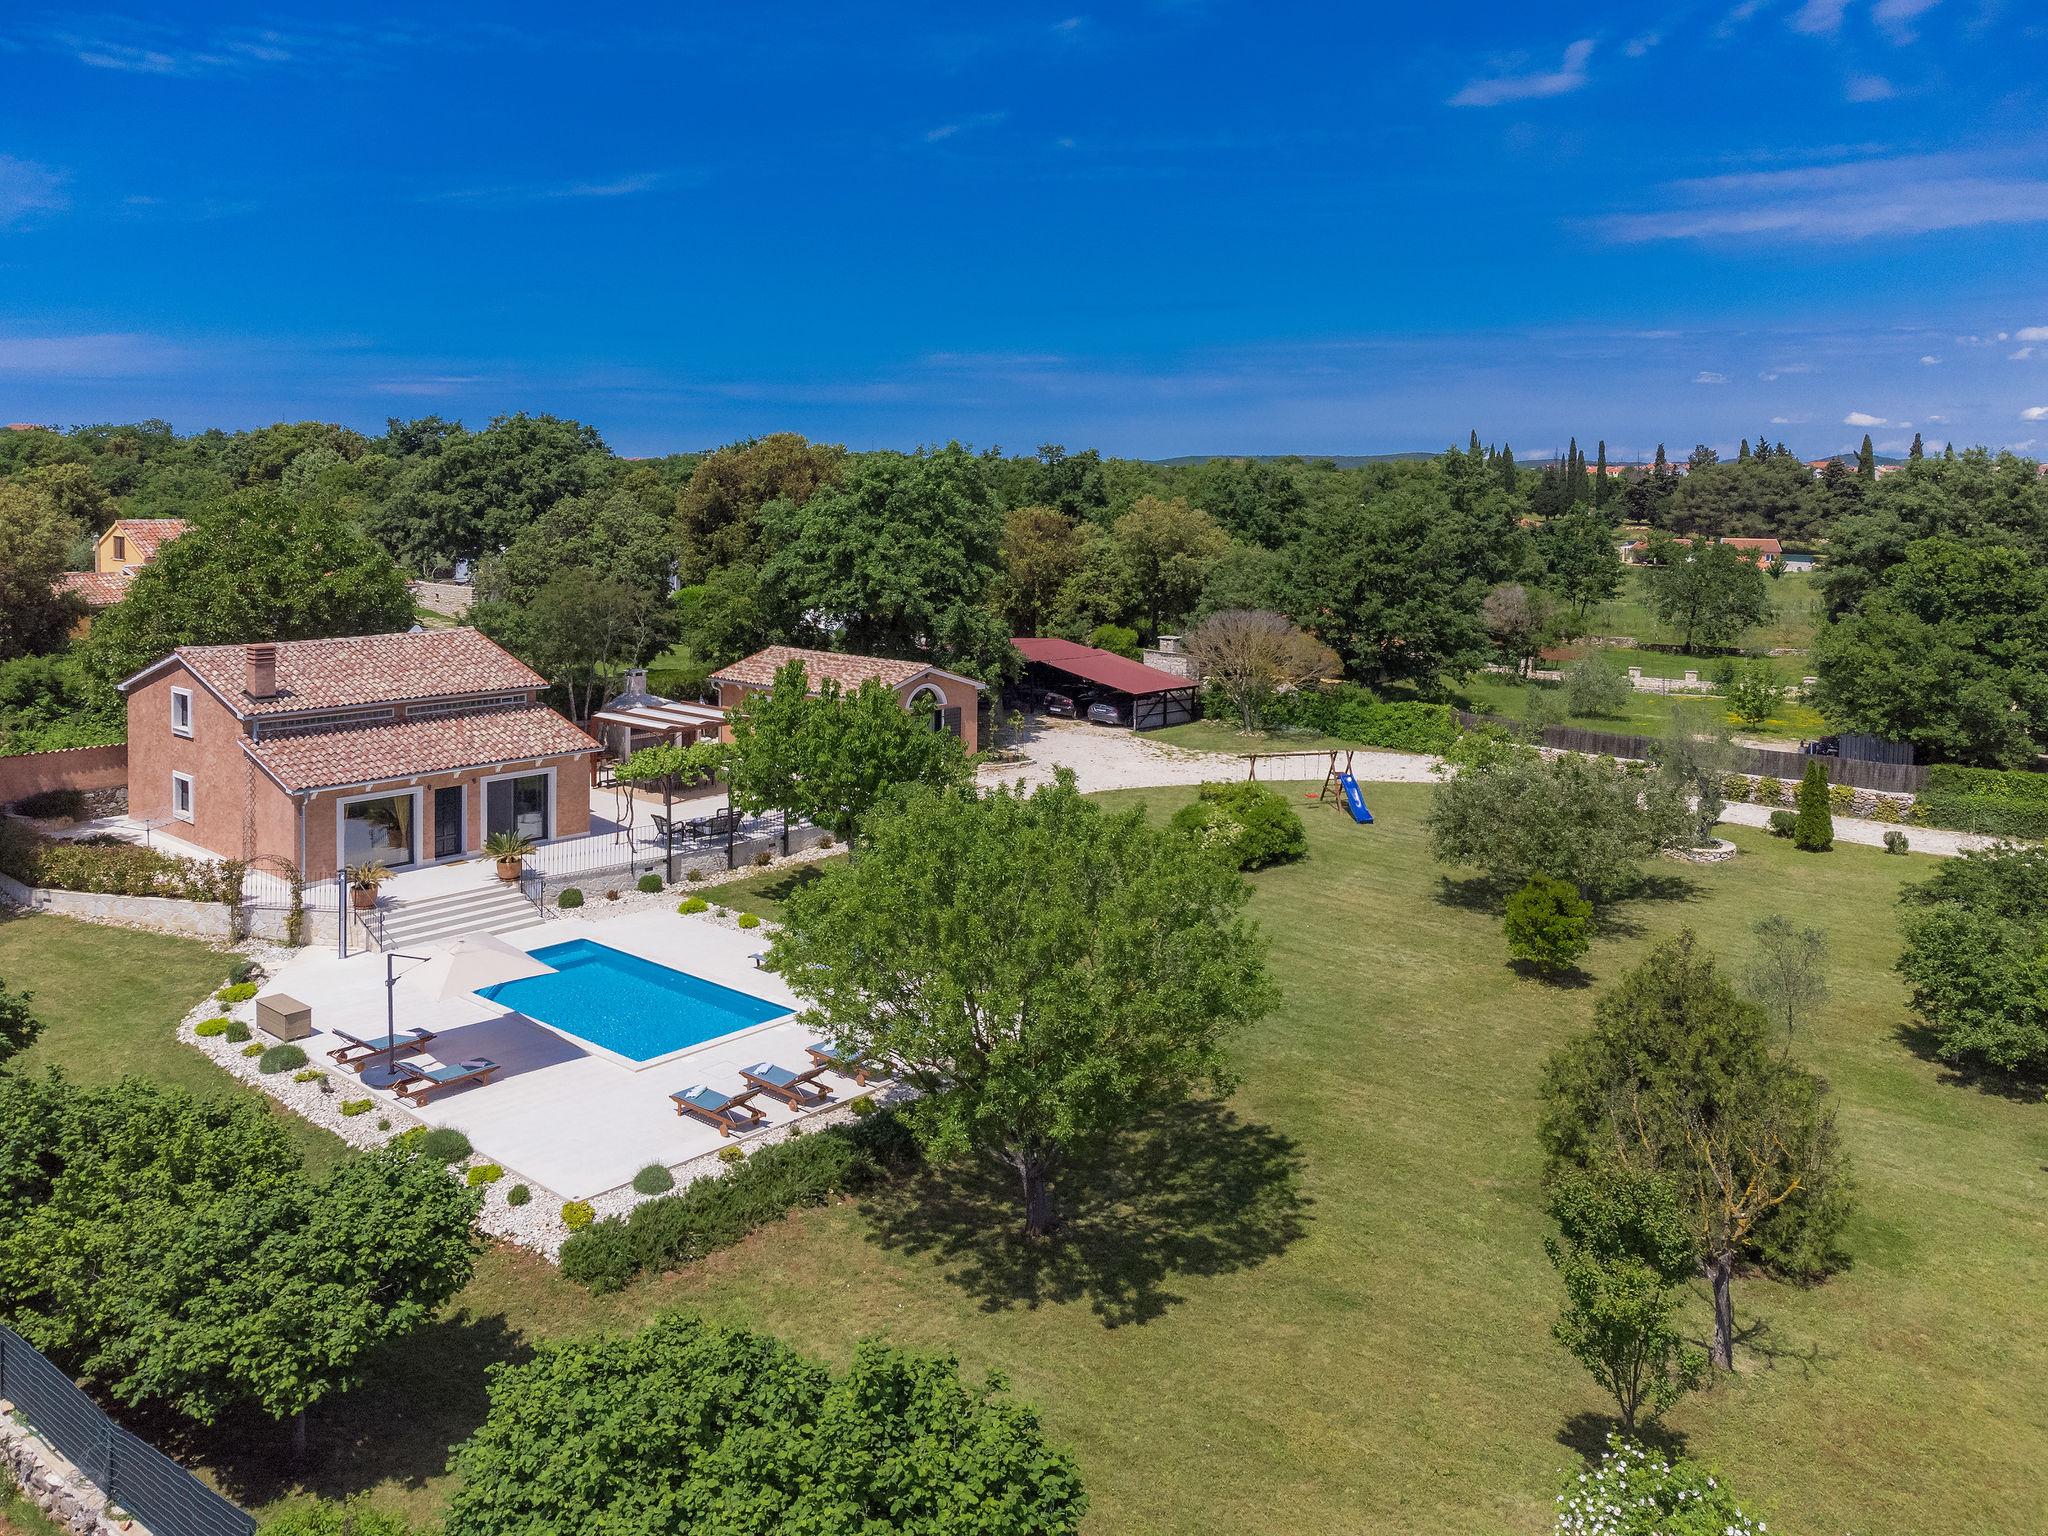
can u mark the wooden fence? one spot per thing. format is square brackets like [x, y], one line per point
[1890, 778]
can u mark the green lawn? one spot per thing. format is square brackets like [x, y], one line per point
[1646, 714]
[111, 999]
[1325, 1305]
[1795, 602]
[1222, 736]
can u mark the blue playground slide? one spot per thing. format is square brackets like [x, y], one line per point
[1353, 800]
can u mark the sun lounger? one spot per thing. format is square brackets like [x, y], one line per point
[720, 1109]
[799, 1090]
[824, 1053]
[357, 1054]
[422, 1083]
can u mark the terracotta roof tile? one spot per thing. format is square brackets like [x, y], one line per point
[96, 589]
[849, 672]
[365, 669]
[372, 753]
[146, 535]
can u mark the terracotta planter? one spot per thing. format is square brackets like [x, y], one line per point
[508, 869]
[362, 897]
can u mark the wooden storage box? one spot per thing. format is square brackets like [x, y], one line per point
[284, 1018]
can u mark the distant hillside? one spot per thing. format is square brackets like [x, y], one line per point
[1341, 460]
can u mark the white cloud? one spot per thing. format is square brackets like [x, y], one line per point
[2020, 356]
[946, 131]
[1820, 16]
[542, 192]
[27, 188]
[1863, 88]
[2035, 413]
[1897, 17]
[1772, 375]
[1930, 361]
[1852, 200]
[2029, 333]
[1636, 47]
[1704, 376]
[1863, 419]
[1568, 77]
[107, 355]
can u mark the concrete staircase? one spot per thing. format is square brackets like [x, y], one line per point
[494, 908]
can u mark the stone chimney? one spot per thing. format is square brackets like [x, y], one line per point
[636, 680]
[259, 679]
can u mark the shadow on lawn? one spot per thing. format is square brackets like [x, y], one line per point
[1191, 1191]
[1925, 1042]
[426, 1393]
[1586, 1434]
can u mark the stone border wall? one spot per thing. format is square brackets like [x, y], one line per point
[52, 1484]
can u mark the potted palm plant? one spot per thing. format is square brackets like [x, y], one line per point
[510, 850]
[363, 880]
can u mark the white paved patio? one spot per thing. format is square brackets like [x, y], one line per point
[559, 1113]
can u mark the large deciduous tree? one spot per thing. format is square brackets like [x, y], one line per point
[581, 630]
[254, 566]
[1040, 968]
[175, 1251]
[684, 1426]
[1580, 563]
[1042, 550]
[717, 512]
[1252, 656]
[1711, 594]
[1976, 957]
[1167, 549]
[881, 558]
[36, 542]
[1947, 650]
[1677, 1080]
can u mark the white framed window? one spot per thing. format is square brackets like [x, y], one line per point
[181, 796]
[181, 711]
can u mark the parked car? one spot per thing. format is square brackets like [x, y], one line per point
[1058, 704]
[1105, 714]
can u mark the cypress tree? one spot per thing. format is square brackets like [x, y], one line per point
[1866, 460]
[1744, 454]
[1473, 447]
[1813, 826]
[1600, 484]
[1917, 452]
[1507, 467]
[1663, 464]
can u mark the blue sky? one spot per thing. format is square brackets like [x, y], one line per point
[1154, 228]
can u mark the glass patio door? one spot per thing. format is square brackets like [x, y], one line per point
[517, 805]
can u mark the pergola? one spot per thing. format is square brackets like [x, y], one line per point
[680, 723]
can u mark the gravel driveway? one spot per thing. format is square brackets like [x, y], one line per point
[1851, 829]
[1104, 757]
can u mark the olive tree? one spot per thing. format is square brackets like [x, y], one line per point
[1041, 969]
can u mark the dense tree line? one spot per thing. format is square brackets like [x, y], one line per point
[1413, 572]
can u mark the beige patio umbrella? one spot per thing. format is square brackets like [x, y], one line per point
[469, 964]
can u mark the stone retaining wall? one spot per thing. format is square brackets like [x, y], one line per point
[52, 1484]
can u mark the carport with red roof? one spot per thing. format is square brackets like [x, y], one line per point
[1146, 697]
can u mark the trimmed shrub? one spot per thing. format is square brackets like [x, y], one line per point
[444, 1144]
[1736, 787]
[1251, 824]
[236, 1032]
[731, 1154]
[206, 1029]
[383, 1123]
[350, 1108]
[253, 1049]
[863, 1106]
[1813, 829]
[281, 1058]
[763, 858]
[243, 970]
[483, 1173]
[1885, 808]
[570, 898]
[52, 805]
[1895, 842]
[711, 1214]
[518, 1195]
[235, 992]
[749, 920]
[110, 867]
[1549, 925]
[1986, 800]
[1770, 791]
[654, 1179]
[577, 1215]
[692, 905]
[310, 1075]
[1782, 823]
[649, 883]
[1842, 799]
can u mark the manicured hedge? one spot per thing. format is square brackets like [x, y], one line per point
[684, 683]
[715, 1213]
[1986, 800]
[109, 867]
[1351, 713]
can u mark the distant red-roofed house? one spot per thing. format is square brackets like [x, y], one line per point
[955, 700]
[1762, 551]
[125, 548]
[390, 749]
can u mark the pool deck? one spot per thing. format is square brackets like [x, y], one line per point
[558, 1114]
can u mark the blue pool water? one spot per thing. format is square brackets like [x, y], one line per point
[630, 1006]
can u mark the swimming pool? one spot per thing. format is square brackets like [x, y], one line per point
[629, 1006]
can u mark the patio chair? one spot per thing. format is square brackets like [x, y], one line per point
[719, 823]
[720, 1109]
[824, 1053]
[798, 1090]
[357, 1054]
[422, 1083]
